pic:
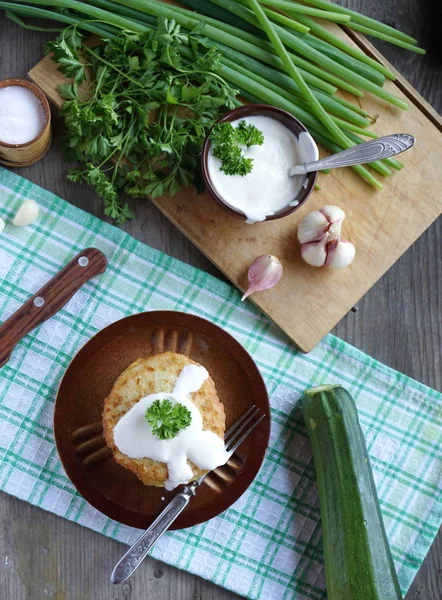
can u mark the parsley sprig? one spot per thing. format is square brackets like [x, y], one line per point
[138, 128]
[167, 419]
[226, 141]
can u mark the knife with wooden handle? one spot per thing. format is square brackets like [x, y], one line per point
[48, 301]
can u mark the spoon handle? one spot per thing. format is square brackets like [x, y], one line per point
[383, 147]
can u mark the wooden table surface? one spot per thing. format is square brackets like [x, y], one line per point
[399, 322]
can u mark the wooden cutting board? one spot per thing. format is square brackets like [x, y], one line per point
[309, 302]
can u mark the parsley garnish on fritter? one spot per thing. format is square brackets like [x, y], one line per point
[167, 419]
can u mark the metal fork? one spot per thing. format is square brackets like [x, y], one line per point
[234, 437]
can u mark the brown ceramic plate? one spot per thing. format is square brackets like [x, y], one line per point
[88, 462]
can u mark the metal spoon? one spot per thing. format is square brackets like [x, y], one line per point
[383, 147]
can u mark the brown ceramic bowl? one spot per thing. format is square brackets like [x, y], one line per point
[253, 110]
[23, 155]
[78, 430]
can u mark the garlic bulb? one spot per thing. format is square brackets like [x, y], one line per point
[26, 214]
[319, 234]
[264, 272]
[2, 224]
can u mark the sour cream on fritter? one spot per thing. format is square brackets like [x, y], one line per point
[133, 435]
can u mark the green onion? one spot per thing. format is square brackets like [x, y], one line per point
[354, 107]
[41, 13]
[329, 37]
[342, 58]
[299, 46]
[278, 17]
[237, 9]
[386, 38]
[91, 11]
[216, 12]
[270, 85]
[354, 63]
[332, 104]
[16, 19]
[314, 12]
[270, 58]
[395, 164]
[300, 103]
[355, 17]
[125, 11]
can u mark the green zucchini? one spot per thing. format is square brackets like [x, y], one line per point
[358, 561]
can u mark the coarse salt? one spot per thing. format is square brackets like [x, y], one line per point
[21, 115]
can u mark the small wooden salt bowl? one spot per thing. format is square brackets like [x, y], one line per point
[22, 155]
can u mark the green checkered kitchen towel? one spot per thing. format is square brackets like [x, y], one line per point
[268, 544]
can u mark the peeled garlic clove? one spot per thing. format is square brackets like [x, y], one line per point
[264, 272]
[2, 224]
[26, 214]
[340, 255]
[312, 227]
[314, 253]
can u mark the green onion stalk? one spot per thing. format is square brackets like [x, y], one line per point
[375, 27]
[294, 42]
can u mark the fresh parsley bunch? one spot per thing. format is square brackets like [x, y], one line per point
[139, 125]
[226, 141]
[167, 419]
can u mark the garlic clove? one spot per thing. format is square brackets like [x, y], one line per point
[264, 272]
[315, 253]
[2, 224]
[333, 214]
[340, 254]
[26, 214]
[312, 227]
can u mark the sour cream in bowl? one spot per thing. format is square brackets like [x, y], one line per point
[267, 192]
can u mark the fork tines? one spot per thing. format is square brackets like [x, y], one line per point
[242, 428]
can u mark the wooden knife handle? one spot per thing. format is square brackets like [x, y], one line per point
[48, 301]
